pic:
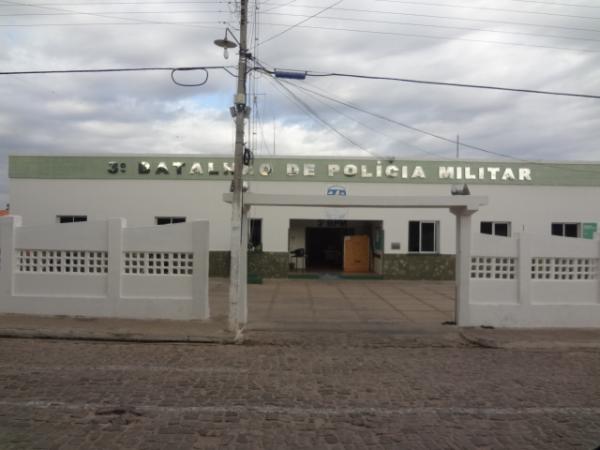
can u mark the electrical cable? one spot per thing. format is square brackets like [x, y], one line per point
[439, 83]
[104, 16]
[571, 5]
[314, 114]
[188, 84]
[445, 18]
[452, 141]
[485, 8]
[132, 69]
[443, 38]
[276, 35]
[314, 94]
[447, 27]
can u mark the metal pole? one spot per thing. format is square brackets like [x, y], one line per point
[237, 253]
[457, 146]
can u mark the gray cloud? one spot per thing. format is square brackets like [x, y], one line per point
[147, 113]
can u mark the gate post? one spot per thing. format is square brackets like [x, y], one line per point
[8, 237]
[463, 264]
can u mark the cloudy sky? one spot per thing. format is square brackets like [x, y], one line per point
[542, 45]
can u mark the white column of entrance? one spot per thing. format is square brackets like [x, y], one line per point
[463, 263]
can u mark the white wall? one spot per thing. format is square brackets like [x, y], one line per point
[532, 281]
[529, 208]
[102, 269]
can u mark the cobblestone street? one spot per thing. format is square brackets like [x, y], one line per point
[295, 390]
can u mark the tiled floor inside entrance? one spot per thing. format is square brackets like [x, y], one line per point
[351, 301]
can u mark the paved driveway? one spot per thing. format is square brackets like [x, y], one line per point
[342, 301]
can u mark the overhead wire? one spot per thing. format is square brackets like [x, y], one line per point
[104, 16]
[448, 27]
[487, 8]
[570, 5]
[308, 73]
[443, 17]
[311, 112]
[444, 38]
[462, 144]
[359, 122]
[276, 35]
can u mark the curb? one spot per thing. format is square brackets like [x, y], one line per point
[119, 337]
[491, 343]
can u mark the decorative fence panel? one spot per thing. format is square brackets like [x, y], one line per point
[103, 269]
[533, 281]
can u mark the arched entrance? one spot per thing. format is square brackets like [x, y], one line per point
[462, 206]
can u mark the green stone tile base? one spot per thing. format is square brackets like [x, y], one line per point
[396, 267]
[418, 267]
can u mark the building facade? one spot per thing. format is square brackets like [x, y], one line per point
[542, 199]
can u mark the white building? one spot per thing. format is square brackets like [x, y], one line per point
[541, 199]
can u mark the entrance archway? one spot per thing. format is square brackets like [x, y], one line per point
[462, 206]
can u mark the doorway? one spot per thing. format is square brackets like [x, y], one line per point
[325, 248]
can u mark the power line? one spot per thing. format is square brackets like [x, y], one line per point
[452, 141]
[444, 38]
[173, 71]
[198, 25]
[450, 27]
[570, 5]
[308, 110]
[121, 3]
[104, 16]
[343, 19]
[276, 35]
[437, 83]
[320, 99]
[485, 8]
[466, 19]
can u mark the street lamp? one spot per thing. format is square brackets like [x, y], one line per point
[226, 44]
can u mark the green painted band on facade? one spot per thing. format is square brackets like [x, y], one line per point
[331, 170]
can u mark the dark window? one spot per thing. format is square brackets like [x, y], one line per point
[414, 236]
[495, 228]
[565, 229]
[501, 229]
[169, 220]
[422, 236]
[71, 219]
[486, 227]
[255, 233]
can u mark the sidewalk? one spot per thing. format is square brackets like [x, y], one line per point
[108, 329]
[281, 311]
[214, 331]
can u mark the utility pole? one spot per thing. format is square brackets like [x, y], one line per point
[237, 292]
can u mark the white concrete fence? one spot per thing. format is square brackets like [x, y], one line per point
[528, 281]
[104, 269]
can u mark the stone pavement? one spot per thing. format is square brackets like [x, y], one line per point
[326, 391]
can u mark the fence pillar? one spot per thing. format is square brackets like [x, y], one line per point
[243, 304]
[200, 247]
[524, 269]
[8, 256]
[463, 264]
[115, 262]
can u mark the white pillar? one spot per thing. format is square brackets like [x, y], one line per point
[115, 263]
[8, 256]
[463, 264]
[524, 268]
[200, 284]
[242, 310]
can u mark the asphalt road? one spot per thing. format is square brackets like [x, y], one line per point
[297, 391]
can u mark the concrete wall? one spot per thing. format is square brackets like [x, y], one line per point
[528, 281]
[103, 269]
